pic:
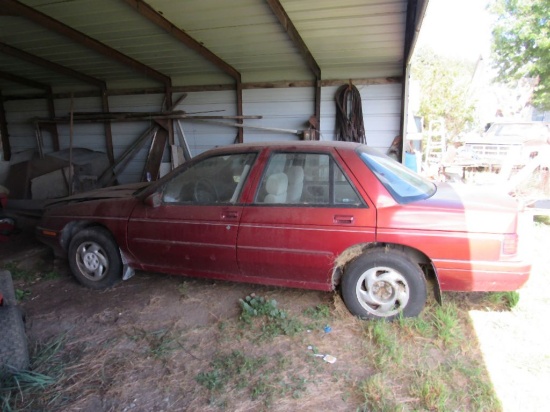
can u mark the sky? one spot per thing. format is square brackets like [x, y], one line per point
[460, 29]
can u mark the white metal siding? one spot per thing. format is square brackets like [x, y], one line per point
[381, 113]
[285, 108]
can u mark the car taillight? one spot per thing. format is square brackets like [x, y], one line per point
[510, 244]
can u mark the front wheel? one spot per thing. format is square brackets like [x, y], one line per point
[94, 258]
[384, 284]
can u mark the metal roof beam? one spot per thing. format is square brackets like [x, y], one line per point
[288, 26]
[39, 61]
[410, 30]
[48, 22]
[24, 81]
[153, 16]
[48, 95]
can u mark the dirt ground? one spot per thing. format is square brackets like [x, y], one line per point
[141, 345]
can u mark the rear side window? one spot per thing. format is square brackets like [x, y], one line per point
[306, 179]
[404, 185]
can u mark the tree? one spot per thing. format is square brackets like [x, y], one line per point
[521, 44]
[444, 90]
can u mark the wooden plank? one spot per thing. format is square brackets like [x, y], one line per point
[176, 155]
[217, 87]
[183, 143]
[127, 156]
[269, 129]
[6, 147]
[154, 158]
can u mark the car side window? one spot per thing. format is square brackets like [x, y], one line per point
[306, 179]
[217, 179]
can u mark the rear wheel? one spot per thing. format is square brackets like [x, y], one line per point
[94, 258]
[384, 284]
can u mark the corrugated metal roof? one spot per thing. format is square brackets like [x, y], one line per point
[347, 38]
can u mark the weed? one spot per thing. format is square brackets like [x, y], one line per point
[430, 388]
[235, 368]
[319, 312]
[21, 294]
[259, 389]
[159, 343]
[446, 323]
[52, 275]
[19, 273]
[507, 299]
[258, 312]
[320, 315]
[480, 392]
[46, 370]
[213, 380]
[377, 394]
[253, 306]
[183, 289]
[413, 326]
[384, 348]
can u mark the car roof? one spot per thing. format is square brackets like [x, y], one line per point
[290, 145]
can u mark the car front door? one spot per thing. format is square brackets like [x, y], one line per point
[194, 228]
[305, 213]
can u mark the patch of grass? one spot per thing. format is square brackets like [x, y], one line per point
[158, 344]
[414, 327]
[20, 273]
[377, 394]
[30, 276]
[264, 316]
[431, 389]
[508, 300]
[21, 390]
[21, 294]
[447, 324]
[261, 377]
[416, 364]
[319, 315]
[383, 344]
[319, 312]
[480, 392]
[51, 275]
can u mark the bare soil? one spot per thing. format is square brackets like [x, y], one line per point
[140, 345]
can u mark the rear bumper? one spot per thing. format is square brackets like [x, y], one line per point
[482, 276]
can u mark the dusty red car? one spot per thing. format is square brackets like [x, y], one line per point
[314, 215]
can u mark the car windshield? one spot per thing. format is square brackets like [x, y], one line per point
[403, 184]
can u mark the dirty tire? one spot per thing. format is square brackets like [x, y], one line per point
[94, 258]
[14, 352]
[6, 288]
[384, 284]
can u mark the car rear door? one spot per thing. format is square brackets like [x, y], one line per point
[305, 212]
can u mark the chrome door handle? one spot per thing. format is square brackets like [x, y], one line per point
[230, 214]
[344, 219]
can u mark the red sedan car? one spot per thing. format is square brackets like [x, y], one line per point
[314, 215]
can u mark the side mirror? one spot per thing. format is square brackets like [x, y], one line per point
[153, 200]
